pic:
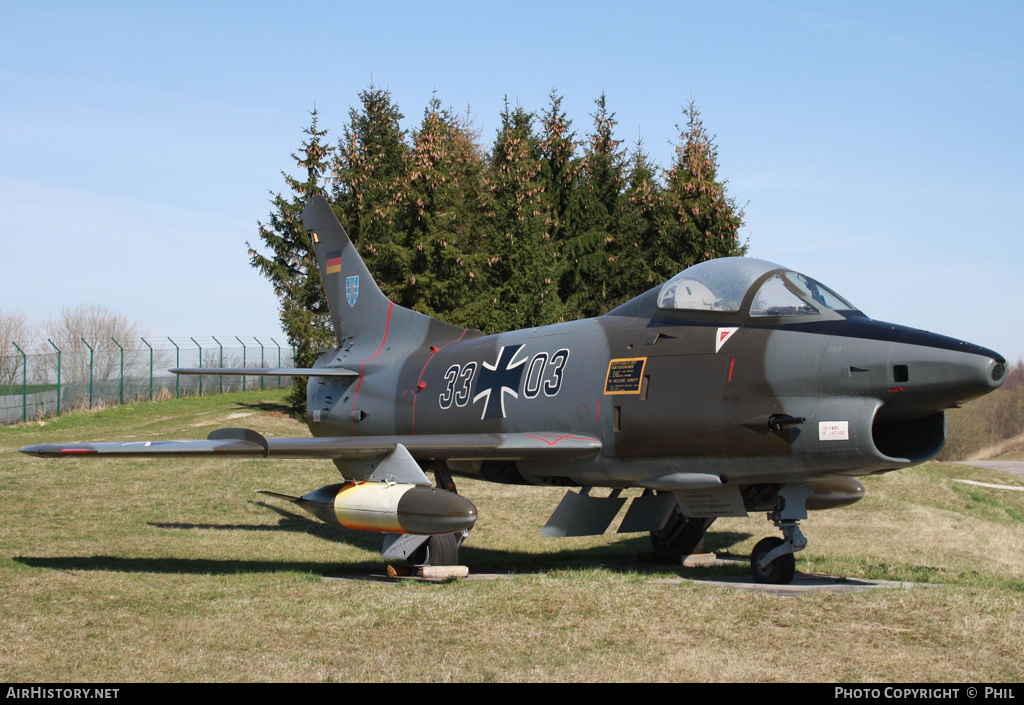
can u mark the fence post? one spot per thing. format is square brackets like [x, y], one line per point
[150, 367]
[278, 359]
[122, 367]
[262, 363]
[177, 363]
[90, 371]
[243, 360]
[221, 363]
[24, 383]
[58, 374]
[200, 364]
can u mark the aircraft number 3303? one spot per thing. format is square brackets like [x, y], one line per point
[544, 372]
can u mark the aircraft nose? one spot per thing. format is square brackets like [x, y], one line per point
[979, 374]
[942, 374]
[996, 371]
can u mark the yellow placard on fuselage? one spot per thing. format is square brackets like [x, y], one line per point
[625, 375]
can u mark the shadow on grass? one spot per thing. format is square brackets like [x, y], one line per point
[480, 560]
[269, 407]
[192, 566]
[289, 522]
[625, 555]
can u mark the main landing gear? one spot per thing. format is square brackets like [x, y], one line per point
[440, 549]
[680, 537]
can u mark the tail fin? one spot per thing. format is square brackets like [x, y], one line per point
[355, 300]
[359, 309]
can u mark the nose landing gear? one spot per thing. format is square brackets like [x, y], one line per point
[772, 560]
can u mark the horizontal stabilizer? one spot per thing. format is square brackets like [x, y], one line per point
[267, 371]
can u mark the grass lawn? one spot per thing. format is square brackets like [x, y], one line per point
[176, 570]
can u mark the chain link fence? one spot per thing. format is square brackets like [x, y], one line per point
[40, 380]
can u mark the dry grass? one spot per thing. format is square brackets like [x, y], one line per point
[1009, 449]
[137, 570]
[990, 425]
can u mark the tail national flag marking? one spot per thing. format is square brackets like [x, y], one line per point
[334, 262]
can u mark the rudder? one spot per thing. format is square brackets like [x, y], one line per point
[355, 301]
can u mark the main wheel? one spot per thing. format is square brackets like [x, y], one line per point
[680, 537]
[778, 572]
[442, 549]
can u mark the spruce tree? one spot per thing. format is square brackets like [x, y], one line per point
[640, 238]
[371, 184]
[540, 230]
[590, 280]
[445, 201]
[291, 265]
[701, 221]
[560, 169]
[603, 165]
[521, 268]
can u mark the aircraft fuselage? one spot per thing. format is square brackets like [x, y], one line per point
[743, 399]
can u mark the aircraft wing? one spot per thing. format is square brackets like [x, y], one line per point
[245, 442]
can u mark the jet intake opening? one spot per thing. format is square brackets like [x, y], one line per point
[914, 440]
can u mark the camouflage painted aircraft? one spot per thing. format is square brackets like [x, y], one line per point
[737, 386]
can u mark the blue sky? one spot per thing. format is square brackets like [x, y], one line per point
[877, 145]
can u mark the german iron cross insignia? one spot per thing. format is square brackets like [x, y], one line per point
[503, 377]
[352, 289]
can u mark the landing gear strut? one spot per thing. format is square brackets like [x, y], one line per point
[772, 560]
[442, 549]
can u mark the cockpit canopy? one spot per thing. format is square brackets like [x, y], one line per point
[753, 287]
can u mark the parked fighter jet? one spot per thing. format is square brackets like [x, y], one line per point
[736, 386]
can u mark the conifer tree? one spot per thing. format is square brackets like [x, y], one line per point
[593, 266]
[521, 267]
[529, 235]
[291, 265]
[640, 236]
[371, 183]
[560, 169]
[701, 222]
[445, 199]
[603, 164]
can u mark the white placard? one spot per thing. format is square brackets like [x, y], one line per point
[833, 430]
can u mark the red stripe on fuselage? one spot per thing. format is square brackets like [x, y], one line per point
[415, 393]
[355, 400]
[550, 443]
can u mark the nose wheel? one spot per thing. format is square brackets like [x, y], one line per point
[780, 571]
[772, 561]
